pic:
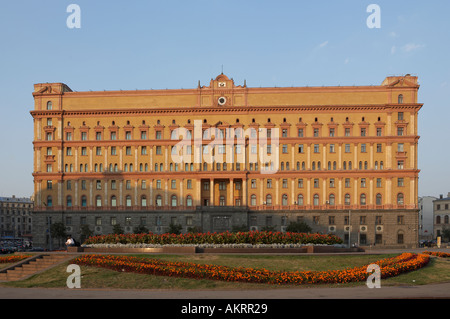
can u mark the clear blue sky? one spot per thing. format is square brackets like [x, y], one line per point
[173, 44]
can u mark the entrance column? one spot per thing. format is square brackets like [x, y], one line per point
[244, 191]
[231, 195]
[211, 192]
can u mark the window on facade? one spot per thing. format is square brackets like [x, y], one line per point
[69, 201]
[174, 201]
[98, 201]
[347, 199]
[113, 201]
[49, 201]
[49, 106]
[316, 200]
[400, 99]
[128, 201]
[300, 200]
[400, 199]
[284, 200]
[268, 199]
[189, 201]
[363, 199]
[378, 199]
[83, 201]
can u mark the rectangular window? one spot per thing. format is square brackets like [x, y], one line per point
[379, 148]
[300, 148]
[300, 132]
[363, 132]
[379, 131]
[347, 148]
[158, 135]
[98, 151]
[69, 136]
[143, 135]
[113, 136]
[400, 147]
[363, 148]
[113, 150]
[98, 136]
[83, 136]
[316, 148]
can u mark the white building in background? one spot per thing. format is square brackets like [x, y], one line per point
[441, 214]
[426, 219]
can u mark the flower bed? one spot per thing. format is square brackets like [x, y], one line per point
[437, 254]
[226, 238]
[13, 258]
[389, 267]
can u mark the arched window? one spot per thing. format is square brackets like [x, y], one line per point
[83, 201]
[344, 165]
[253, 200]
[446, 219]
[400, 199]
[268, 199]
[438, 219]
[158, 200]
[222, 201]
[113, 201]
[49, 201]
[347, 199]
[331, 200]
[400, 99]
[379, 200]
[284, 200]
[69, 201]
[205, 166]
[362, 199]
[349, 164]
[131, 167]
[300, 199]
[316, 200]
[128, 201]
[144, 201]
[49, 105]
[98, 201]
[189, 201]
[173, 201]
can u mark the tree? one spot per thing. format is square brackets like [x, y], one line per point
[117, 229]
[85, 232]
[175, 229]
[298, 227]
[58, 231]
[446, 233]
[141, 229]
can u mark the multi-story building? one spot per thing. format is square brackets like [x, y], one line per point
[342, 159]
[441, 214]
[16, 218]
[426, 217]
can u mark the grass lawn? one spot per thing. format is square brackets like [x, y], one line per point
[438, 270]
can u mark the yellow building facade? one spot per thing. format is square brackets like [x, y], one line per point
[342, 159]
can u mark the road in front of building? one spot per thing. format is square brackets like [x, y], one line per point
[435, 291]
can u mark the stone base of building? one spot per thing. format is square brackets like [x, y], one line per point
[362, 228]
